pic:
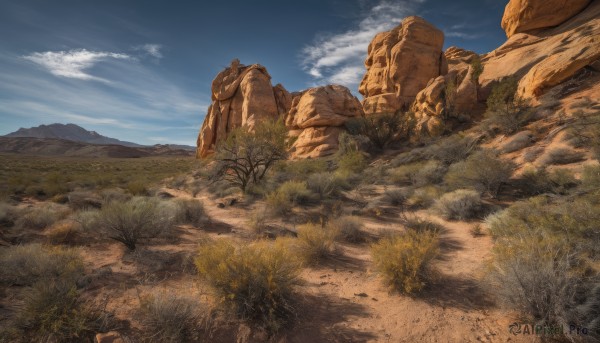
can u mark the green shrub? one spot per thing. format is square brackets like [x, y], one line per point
[405, 174]
[24, 265]
[349, 228]
[561, 155]
[325, 184]
[382, 129]
[255, 281]
[88, 220]
[424, 197]
[396, 197]
[507, 111]
[315, 242]
[189, 211]
[421, 225]
[137, 188]
[53, 311]
[460, 204]
[537, 181]
[298, 169]
[483, 170]
[42, 216]
[452, 149]
[138, 218]
[288, 195]
[352, 161]
[591, 177]
[170, 318]
[405, 260]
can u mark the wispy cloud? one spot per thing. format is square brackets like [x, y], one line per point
[339, 57]
[151, 50]
[463, 35]
[73, 63]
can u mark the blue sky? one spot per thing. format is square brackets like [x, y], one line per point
[140, 70]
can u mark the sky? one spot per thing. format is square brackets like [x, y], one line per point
[141, 70]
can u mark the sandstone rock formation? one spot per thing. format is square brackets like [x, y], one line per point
[549, 57]
[316, 119]
[241, 96]
[400, 63]
[451, 96]
[527, 15]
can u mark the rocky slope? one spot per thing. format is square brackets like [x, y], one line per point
[553, 48]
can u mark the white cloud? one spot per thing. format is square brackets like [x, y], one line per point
[463, 35]
[73, 63]
[151, 49]
[339, 58]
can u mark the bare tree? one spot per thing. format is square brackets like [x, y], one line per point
[245, 156]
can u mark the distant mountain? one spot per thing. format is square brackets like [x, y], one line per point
[62, 147]
[69, 132]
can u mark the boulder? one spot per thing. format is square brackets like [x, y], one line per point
[241, 96]
[400, 63]
[527, 15]
[316, 119]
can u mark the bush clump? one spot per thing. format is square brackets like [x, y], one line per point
[452, 149]
[349, 228]
[170, 318]
[460, 204]
[483, 170]
[40, 217]
[189, 211]
[561, 155]
[405, 260]
[254, 281]
[139, 218]
[315, 242]
[288, 195]
[382, 129]
[506, 111]
[23, 265]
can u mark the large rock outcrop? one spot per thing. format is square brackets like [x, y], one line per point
[241, 96]
[549, 57]
[447, 97]
[527, 15]
[316, 119]
[400, 63]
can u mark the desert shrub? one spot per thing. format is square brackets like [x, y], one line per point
[405, 260]
[561, 155]
[257, 221]
[26, 264]
[66, 232]
[137, 187]
[53, 311]
[532, 153]
[477, 67]
[195, 188]
[424, 197]
[405, 174]
[138, 218]
[507, 111]
[114, 194]
[483, 170]
[411, 156]
[254, 281]
[348, 228]
[590, 178]
[170, 318]
[535, 181]
[588, 313]
[5, 212]
[421, 225]
[42, 216]
[189, 211]
[452, 149]
[396, 197]
[586, 129]
[325, 184]
[288, 195]
[245, 157]
[459, 204]
[177, 182]
[315, 242]
[82, 200]
[298, 169]
[476, 231]
[419, 174]
[88, 220]
[352, 161]
[382, 129]
[517, 142]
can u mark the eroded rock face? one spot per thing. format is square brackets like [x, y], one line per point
[545, 59]
[527, 15]
[450, 96]
[241, 96]
[400, 63]
[316, 119]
